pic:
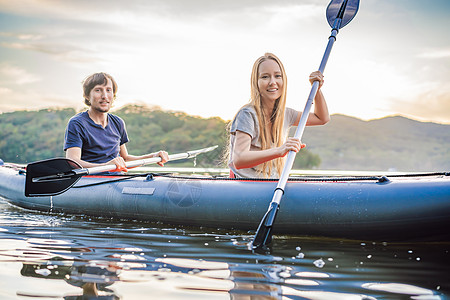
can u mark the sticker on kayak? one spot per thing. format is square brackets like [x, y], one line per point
[184, 193]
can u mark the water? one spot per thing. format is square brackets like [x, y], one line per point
[50, 256]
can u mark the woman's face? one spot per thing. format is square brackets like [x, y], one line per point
[270, 80]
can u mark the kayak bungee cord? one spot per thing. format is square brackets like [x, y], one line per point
[150, 176]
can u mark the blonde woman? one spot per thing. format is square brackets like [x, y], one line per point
[258, 132]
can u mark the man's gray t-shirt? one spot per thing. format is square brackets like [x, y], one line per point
[246, 121]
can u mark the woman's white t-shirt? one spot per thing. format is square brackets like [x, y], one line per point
[246, 121]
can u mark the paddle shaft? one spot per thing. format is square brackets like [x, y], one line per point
[55, 176]
[132, 164]
[95, 170]
[264, 231]
[142, 162]
[279, 191]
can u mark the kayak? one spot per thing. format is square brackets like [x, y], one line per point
[388, 208]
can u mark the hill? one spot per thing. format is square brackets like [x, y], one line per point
[346, 143]
[391, 143]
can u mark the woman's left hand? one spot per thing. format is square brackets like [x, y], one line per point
[316, 76]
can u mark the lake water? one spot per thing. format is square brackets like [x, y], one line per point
[51, 256]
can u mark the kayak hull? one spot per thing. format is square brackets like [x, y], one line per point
[396, 209]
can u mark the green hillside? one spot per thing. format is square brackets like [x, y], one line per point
[392, 143]
[346, 143]
[27, 136]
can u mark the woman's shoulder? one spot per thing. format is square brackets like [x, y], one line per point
[246, 110]
[246, 113]
[289, 110]
[290, 114]
[245, 120]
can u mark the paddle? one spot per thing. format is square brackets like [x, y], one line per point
[55, 176]
[339, 13]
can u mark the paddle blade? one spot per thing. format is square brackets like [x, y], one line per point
[344, 9]
[263, 235]
[50, 177]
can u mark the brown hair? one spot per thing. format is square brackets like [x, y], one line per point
[96, 79]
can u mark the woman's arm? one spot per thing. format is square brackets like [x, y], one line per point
[244, 157]
[320, 116]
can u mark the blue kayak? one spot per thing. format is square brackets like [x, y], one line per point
[387, 208]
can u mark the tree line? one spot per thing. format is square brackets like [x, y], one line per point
[27, 136]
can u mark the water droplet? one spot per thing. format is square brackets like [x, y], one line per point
[319, 263]
[43, 272]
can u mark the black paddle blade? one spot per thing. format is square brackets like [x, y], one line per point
[344, 9]
[50, 177]
[263, 235]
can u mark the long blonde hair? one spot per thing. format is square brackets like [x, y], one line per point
[275, 137]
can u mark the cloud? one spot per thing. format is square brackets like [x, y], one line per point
[5, 91]
[201, 47]
[16, 75]
[20, 100]
[435, 54]
[433, 105]
[22, 36]
[81, 9]
[59, 51]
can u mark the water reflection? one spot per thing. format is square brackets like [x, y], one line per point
[85, 258]
[92, 279]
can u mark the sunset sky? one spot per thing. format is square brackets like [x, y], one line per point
[196, 55]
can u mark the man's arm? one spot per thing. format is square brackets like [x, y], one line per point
[128, 157]
[74, 153]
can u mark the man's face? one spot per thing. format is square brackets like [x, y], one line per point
[102, 96]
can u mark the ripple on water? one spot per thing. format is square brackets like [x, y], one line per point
[54, 255]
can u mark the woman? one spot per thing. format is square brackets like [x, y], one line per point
[258, 132]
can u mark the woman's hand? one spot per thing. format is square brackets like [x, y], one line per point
[291, 144]
[316, 76]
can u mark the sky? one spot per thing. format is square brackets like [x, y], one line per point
[196, 56]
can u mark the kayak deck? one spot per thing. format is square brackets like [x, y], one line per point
[395, 207]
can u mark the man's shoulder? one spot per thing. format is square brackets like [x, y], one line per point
[80, 117]
[116, 119]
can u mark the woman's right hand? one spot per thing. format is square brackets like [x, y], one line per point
[291, 144]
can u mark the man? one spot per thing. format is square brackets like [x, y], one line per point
[96, 137]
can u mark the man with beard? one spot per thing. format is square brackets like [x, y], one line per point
[96, 137]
